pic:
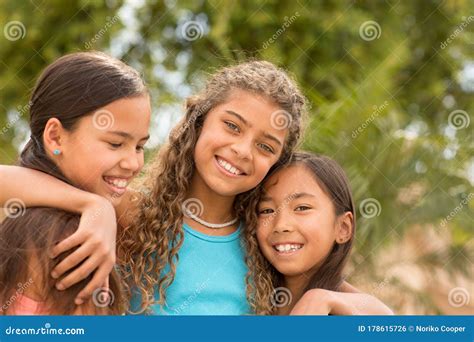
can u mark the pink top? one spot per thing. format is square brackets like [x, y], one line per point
[24, 305]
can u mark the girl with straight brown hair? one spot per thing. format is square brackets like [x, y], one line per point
[306, 228]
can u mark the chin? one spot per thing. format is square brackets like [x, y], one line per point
[222, 188]
[289, 270]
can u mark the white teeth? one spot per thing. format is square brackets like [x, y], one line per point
[120, 183]
[287, 248]
[228, 167]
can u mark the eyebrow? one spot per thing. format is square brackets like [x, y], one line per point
[288, 198]
[238, 116]
[246, 123]
[127, 135]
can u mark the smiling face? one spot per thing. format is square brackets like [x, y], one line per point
[297, 225]
[105, 150]
[238, 144]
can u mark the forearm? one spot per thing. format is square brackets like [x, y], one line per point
[36, 188]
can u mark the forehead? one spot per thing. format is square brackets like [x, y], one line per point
[257, 110]
[292, 179]
[130, 115]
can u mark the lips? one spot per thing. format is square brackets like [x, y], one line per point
[229, 167]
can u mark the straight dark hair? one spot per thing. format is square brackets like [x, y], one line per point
[333, 181]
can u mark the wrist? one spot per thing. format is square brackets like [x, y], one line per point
[338, 303]
[90, 201]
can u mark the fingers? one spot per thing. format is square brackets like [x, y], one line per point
[79, 274]
[107, 283]
[71, 261]
[72, 241]
[100, 277]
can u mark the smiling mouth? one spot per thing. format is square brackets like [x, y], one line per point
[117, 184]
[229, 168]
[287, 248]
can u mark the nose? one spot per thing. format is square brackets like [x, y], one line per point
[242, 148]
[132, 161]
[283, 222]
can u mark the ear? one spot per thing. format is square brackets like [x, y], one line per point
[53, 136]
[344, 227]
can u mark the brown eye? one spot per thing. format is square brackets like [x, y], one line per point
[232, 126]
[302, 208]
[265, 211]
[267, 148]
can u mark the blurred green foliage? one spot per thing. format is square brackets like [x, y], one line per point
[380, 101]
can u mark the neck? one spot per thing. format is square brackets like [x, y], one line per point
[216, 208]
[296, 285]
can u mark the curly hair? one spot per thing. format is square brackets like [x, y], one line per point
[153, 240]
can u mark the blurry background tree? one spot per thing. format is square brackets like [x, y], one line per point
[390, 84]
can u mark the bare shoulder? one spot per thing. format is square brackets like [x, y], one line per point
[348, 288]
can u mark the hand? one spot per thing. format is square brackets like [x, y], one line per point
[321, 302]
[96, 237]
[313, 302]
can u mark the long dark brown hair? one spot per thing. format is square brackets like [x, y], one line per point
[69, 89]
[333, 181]
[27, 235]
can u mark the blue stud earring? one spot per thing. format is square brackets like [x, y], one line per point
[56, 152]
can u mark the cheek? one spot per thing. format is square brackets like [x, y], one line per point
[262, 166]
[262, 235]
[88, 161]
[320, 235]
[204, 145]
